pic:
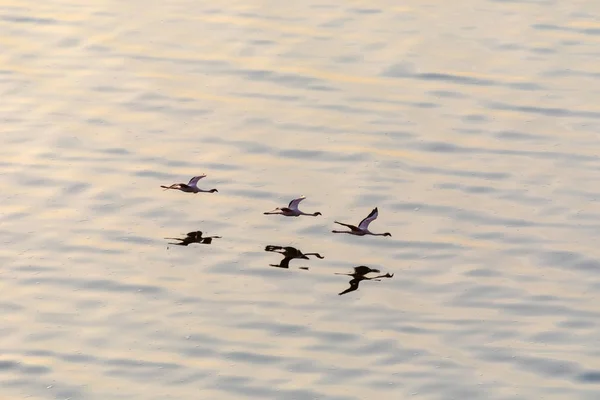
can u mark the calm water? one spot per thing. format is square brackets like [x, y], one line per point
[473, 127]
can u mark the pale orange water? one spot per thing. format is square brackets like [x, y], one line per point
[473, 126]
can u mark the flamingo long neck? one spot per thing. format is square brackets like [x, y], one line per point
[297, 211]
[376, 234]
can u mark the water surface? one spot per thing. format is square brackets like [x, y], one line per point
[473, 128]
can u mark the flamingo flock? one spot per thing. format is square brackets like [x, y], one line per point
[289, 253]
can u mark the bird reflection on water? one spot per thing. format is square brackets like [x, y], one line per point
[289, 253]
[193, 237]
[359, 275]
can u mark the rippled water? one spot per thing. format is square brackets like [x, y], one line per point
[473, 127]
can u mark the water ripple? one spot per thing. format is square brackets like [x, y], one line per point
[480, 157]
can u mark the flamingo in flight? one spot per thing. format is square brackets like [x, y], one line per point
[363, 228]
[291, 210]
[190, 187]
